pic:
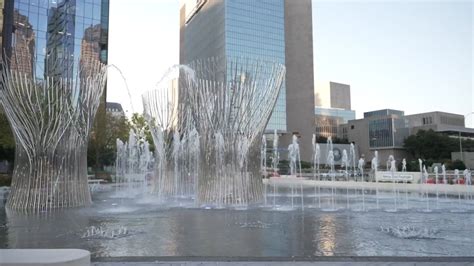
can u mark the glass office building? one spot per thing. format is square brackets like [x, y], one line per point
[257, 29]
[387, 128]
[53, 37]
[239, 28]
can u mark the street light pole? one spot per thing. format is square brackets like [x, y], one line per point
[460, 142]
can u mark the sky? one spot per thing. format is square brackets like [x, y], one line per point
[415, 56]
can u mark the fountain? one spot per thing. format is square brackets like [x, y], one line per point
[276, 154]
[352, 158]
[316, 158]
[375, 161]
[420, 162]
[51, 119]
[360, 166]
[229, 113]
[134, 163]
[345, 164]
[294, 157]
[374, 166]
[263, 156]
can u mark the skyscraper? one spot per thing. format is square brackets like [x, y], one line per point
[273, 30]
[46, 37]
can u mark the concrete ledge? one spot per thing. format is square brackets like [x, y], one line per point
[300, 261]
[430, 188]
[68, 257]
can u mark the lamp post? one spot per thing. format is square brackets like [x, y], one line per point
[460, 142]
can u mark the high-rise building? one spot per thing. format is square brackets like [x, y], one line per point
[47, 37]
[273, 30]
[332, 95]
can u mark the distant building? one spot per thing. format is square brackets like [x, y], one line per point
[47, 37]
[277, 30]
[386, 130]
[332, 95]
[24, 45]
[442, 122]
[332, 108]
[383, 131]
[115, 109]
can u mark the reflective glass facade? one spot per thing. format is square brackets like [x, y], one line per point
[204, 36]
[384, 112]
[239, 28]
[387, 132]
[345, 115]
[257, 29]
[45, 32]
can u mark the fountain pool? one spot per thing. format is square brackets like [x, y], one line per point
[117, 227]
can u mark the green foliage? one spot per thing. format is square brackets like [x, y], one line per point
[102, 147]
[412, 166]
[456, 164]
[139, 123]
[305, 165]
[336, 140]
[434, 146]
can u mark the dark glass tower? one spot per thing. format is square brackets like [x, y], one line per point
[39, 34]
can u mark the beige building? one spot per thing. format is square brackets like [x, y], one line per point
[385, 131]
[448, 123]
[332, 108]
[330, 94]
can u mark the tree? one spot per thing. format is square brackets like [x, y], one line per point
[139, 123]
[431, 145]
[456, 164]
[102, 147]
[335, 140]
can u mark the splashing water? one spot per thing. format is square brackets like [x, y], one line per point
[410, 232]
[105, 232]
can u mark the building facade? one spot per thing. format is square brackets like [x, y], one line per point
[332, 108]
[273, 30]
[54, 38]
[115, 109]
[383, 131]
[332, 95]
[442, 122]
[386, 130]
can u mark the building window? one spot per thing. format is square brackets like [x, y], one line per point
[352, 126]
